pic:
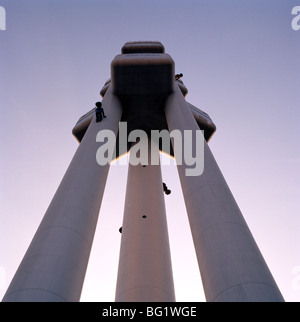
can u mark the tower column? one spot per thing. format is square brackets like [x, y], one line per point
[55, 263]
[145, 270]
[231, 265]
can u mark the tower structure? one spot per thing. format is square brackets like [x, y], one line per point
[144, 94]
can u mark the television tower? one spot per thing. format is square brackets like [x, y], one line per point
[144, 94]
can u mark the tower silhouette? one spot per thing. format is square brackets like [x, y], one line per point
[144, 93]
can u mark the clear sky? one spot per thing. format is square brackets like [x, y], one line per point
[240, 61]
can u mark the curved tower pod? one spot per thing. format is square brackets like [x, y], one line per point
[138, 47]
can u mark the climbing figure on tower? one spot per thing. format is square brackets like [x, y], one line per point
[165, 189]
[99, 112]
[178, 76]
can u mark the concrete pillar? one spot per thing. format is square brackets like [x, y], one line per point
[55, 263]
[145, 270]
[231, 265]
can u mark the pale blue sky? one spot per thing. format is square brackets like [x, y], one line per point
[240, 61]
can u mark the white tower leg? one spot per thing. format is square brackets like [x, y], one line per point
[231, 265]
[145, 269]
[54, 266]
